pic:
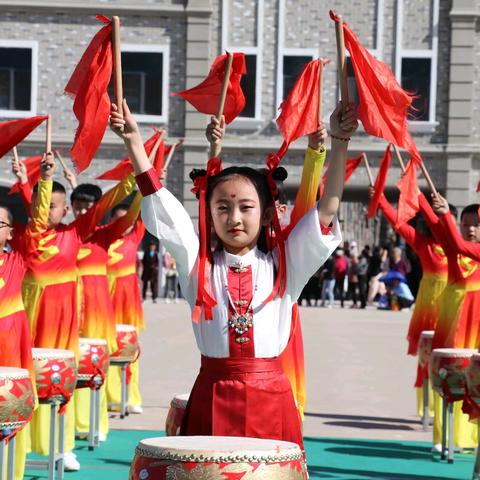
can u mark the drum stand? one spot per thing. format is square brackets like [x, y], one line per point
[94, 421]
[124, 387]
[55, 460]
[10, 472]
[447, 414]
[425, 418]
[476, 467]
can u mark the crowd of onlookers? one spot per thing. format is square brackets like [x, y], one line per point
[387, 276]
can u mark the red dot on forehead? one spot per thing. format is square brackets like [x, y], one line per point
[233, 195]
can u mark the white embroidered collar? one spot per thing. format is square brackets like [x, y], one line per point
[241, 260]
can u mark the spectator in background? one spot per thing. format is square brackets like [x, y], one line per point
[171, 276]
[353, 278]
[397, 263]
[362, 273]
[339, 273]
[398, 294]
[150, 264]
[328, 282]
[376, 268]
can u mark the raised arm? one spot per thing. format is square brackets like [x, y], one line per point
[20, 171]
[343, 124]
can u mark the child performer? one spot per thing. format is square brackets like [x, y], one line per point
[458, 323]
[242, 339]
[50, 294]
[125, 294]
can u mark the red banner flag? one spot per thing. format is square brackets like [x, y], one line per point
[408, 201]
[14, 131]
[478, 187]
[299, 112]
[125, 167]
[205, 96]
[88, 86]
[32, 164]
[350, 167]
[383, 104]
[380, 182]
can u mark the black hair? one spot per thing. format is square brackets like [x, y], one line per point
[280, 174]
[86, 192]
[9, 213]
[472, 208]
[57, 187]
[121, 206]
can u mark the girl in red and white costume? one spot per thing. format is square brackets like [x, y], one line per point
[241, 389]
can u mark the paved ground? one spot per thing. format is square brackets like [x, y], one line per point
[358, 375]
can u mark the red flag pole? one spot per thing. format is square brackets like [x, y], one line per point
[367, 167]
[341, 61]
[399, 158]
[156, 145]
[320, 92]
[48, 140]
[117, 62]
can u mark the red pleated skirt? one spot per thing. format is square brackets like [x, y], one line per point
[242, 397]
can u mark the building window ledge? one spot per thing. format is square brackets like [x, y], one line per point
[247, 123]
[422, 126]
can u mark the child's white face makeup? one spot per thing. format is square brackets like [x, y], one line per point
[6, 229]
[237, 214]
[470, 227]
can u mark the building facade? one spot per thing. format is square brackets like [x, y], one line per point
[432, 46]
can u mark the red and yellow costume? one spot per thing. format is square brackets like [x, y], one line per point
[50, 294]
[292, 358]
[125, 295]
[95, 309]
[459, 318]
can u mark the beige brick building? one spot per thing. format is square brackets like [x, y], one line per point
[431, 45]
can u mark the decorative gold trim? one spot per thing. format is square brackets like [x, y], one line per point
[3, 426]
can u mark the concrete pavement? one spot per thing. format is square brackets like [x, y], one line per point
[359, 378]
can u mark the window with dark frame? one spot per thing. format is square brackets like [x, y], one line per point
[249, 86]
[416, 74]
[15, 78]
[292, 68]
[142, 74]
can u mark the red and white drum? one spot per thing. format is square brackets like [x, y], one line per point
[425, 348]
[56, 374]
[448, 371]
[215, 458]
[93, 365]
[16, 400]
[175, 414]
[473, 378]
[128, 347]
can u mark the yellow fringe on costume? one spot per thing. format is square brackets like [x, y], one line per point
[420, 401]
[81, 398]
[114, 384]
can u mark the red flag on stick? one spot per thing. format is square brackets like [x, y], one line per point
[125, 168]
[205, 96]
[380, 182]
[88, 86]
[32, 164]
[351, 166]
[478, 187]
[408, 201]
[14, 131]
[383, 104]
[299, 112]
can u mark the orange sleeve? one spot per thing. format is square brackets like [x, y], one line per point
[116, 229]
[87, 223]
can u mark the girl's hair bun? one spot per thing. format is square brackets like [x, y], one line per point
[197, 172]
[280, 174]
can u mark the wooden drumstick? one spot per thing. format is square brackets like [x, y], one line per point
[61, 160]
[367, 167]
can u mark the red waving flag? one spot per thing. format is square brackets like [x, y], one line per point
[383, 103]
[32, 164]
[88, 86]
[125, 167]
[408, 201]
[14, 131]
[350, 167]
[380, 182]
[205, 96]
[299, 112]
[478, 187]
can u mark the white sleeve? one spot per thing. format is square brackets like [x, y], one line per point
[165, 217]
[307, 249]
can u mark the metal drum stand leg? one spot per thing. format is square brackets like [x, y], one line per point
[124, 400]
[94, 423]
[476, 467]
[450, 433]
[425, 418]
[11, 459]
[2, 459]
[444, 429]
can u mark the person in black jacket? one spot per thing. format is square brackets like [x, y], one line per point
[150, 271]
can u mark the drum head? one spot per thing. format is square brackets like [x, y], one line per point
[218, 449]
[427, 334]
[454, 352]
[54, 353]
[12, 372]
[120, 327]
[92, 341]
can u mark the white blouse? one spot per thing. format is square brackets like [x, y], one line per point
[306, 250]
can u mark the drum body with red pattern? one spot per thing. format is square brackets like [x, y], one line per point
[473, 378]
[128, 347]
[448, 372]
[425, 348]
[56, 374]
[17, 400]
[93, 364]
[212, 458]
[175, 414]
